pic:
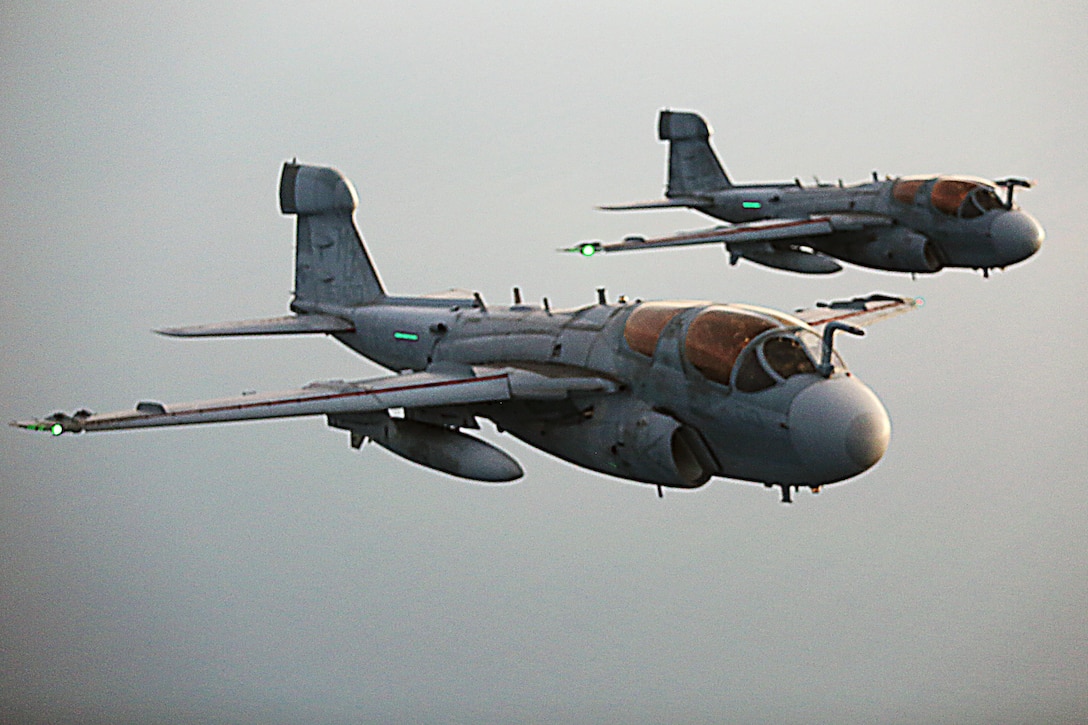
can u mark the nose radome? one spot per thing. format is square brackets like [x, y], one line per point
[1016, 235]
[839, 428]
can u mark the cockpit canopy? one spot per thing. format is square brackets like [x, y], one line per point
[748, 347]
[958, 196]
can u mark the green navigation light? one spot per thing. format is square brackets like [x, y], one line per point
[406, 336]
[588, 250]
[57, 429]
[751, 205]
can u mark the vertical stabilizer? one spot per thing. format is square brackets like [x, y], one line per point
[693, 167]
[331, 263]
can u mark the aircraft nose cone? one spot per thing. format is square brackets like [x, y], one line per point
[1016, 236]
[839, 429]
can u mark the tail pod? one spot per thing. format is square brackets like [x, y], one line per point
[331, 263]
[694, 169]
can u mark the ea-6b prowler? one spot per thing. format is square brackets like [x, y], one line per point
[916, 224]
[665, 393]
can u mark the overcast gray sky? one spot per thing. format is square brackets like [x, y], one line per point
[268, 573]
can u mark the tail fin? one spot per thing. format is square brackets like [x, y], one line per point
[693, 167]
[331, 262]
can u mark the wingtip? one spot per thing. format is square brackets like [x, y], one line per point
[586, 249]
[41, 426]
[55, 424]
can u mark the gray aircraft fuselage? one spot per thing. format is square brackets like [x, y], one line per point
[979, 232]
[667, 423]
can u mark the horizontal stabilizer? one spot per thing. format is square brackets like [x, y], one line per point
[678, 202]
[286, 325]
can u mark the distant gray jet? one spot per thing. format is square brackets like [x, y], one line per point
[916, 224]
[665, 393]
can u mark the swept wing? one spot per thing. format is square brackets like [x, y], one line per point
[859, 311]
[444, 386]
[764, 230]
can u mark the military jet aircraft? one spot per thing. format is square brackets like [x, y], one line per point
[665, 393]
[916, 224]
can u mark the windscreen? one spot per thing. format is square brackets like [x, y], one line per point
[717, 336]
[964, 198]
[772, 360]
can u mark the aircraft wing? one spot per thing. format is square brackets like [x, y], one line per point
[764, 230]
[859, 311]
[767, 230]
[440, 386]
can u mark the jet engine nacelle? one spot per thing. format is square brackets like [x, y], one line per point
[665, 449]
[897, 250]
[626, 437]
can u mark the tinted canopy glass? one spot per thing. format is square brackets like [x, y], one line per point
[904, 190]
[645, 324]
[774, 358]
[965, 198]
[717, 336]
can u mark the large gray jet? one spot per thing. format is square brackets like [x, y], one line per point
[916, 224]
[665, 393]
